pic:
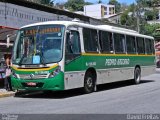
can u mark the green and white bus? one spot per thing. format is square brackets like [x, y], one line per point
[62, 55]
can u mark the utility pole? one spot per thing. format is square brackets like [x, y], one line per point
[139, 10]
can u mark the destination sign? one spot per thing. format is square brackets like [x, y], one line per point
[42, 31]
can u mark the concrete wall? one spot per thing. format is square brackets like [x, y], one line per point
[17, 16]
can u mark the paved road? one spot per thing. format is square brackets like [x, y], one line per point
[117, 98]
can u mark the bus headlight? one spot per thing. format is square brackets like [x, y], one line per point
[55, 72]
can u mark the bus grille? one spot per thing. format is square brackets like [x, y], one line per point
[32, 76]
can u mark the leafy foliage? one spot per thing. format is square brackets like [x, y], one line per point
[75, 5]
[47, 2]
[100, 1]
[128, 17]
[151, 14]
[152, 3]
[138, 14]
[150, 29]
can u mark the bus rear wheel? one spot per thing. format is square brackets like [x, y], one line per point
[137, 75]
[89, 83]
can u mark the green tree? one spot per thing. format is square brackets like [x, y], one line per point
[99, 1]
[128, 17]
[124, 6]
[150, 29]
[117, 5]
[137, 14]
[124, 18]
[151, 14]
[75, 5]
[148, 7]
[152, 3]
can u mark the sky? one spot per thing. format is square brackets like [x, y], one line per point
[104, 1]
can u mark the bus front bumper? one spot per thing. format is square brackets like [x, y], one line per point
[56, 83]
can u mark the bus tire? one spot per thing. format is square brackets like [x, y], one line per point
[137, 75]
[89, 83]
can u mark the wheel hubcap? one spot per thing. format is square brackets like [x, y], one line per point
[89, 82]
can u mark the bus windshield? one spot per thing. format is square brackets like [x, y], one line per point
[38, 45]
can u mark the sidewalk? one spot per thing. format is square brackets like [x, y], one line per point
[157, 70]
[4, 93]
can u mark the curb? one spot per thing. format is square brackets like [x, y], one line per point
[157, 70]
[6, 94]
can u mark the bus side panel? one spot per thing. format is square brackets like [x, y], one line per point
[114, 75]
[112, 68]
[109, 68]
[74, 79]
[74, 74]
[147, 70]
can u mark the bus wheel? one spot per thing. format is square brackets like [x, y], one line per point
[89, 83]
[137, 75]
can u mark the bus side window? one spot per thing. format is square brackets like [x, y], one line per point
[105, 40]
[72, 46]
[90, 39]
[131, 44]
[148, 46]
[140, 45]
[119, 43]
[73, 43]
[152, 47]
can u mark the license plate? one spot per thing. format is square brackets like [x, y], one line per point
[31, 84]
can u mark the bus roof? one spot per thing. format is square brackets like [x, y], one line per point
[99, 27]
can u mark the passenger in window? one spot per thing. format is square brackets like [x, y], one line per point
[73, 43]
[70, 43]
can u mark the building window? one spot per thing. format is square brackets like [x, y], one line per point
[105, 13]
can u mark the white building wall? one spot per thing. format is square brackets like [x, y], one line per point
[93, 11]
